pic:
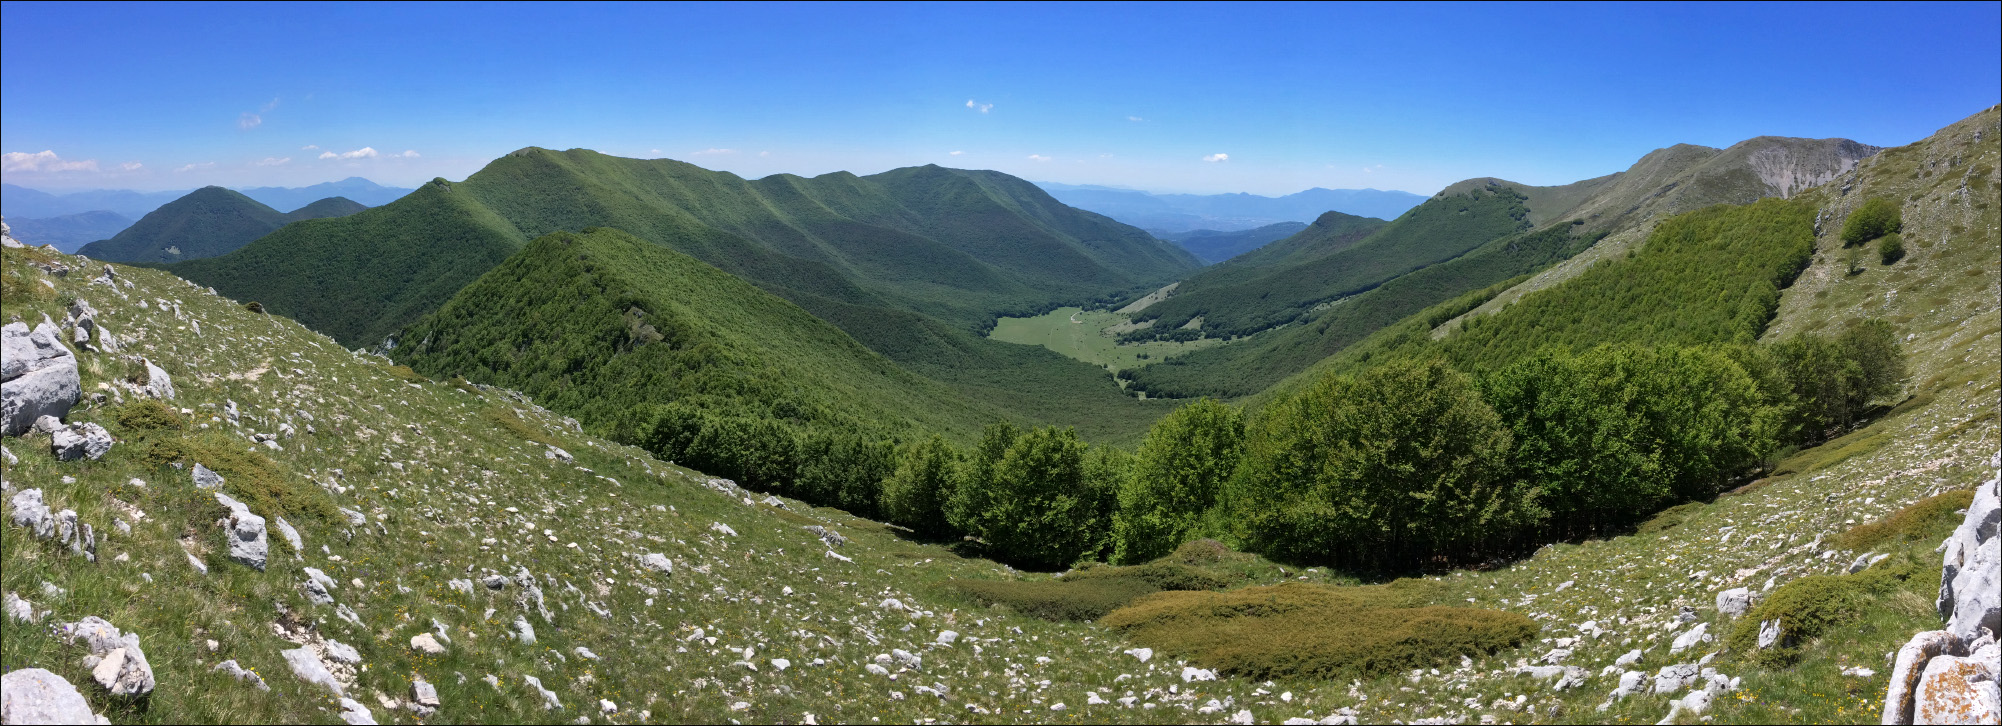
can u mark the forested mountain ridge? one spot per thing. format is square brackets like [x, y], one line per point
[206, 222]
[1607, 216]
[956, 245]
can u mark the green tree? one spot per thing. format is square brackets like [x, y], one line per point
[1040, 507]
[1821, 379]
[972, 499]
[1880, 360]
[915, 495]
[1178, 476]
[1890, 249]
[1381, 471]
[1878, 216]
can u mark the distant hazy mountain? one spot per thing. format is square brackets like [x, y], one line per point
[30, 203]
[16, 201]
[1228, 212]
[207, 222]
[1214, 246]
[368, 193]
[70, 231]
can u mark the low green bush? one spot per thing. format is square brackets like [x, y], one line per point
[1921, 523]
[1805, 608]
[1669, 518]
[1162, 575]
[1313, 631]
[255, 480]
[146, 414]
[1877, 217]
[1891, 248]
[1060, 600]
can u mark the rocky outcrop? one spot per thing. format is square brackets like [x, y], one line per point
[38, 376]
[249, 545]
[1950, 675]
[80, 441]
[36, 696]
[116, 662]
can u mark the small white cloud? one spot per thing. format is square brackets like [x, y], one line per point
[310, 147]
[764, 153]
[192, 167]
[408, 154]
[1104, 156]
[249, 121]
[131, 166]
[329, 155]
[1135, 118]
[1217, 157]
[366, 152]
[981, 107]
[956, 153]
[269, 106]
[655, 152]
[1038, 157]
[713, 152]
[271, 161]
[44, 160]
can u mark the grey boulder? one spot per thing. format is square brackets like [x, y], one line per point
[248, 543]
[80, 441]
[38, 376]
[36, 696]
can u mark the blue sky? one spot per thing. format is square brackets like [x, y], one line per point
[1268, 99]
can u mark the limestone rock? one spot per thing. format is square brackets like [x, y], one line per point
[36, 696]
[657, 562]
[1769, 633]
[1957, 690]
[291, 536]
[230, 667]
[30, 512]
[308, 668]
[38, 376]
[1909, 667]
[80, 441]
[158, 383]
[248, 543]
[356, 714]
[1971, 575]
[1674, 678]
[122, 668]
[1735, 601]
[426, 644]
[1690, 639]
[205, 479]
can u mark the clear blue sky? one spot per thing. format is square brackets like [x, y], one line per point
[1408, 96]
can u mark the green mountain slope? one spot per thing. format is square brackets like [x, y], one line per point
[209, 221]
[956, 245]
[329, 207]
[1336, 258]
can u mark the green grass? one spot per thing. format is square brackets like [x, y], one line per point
[1082, 334]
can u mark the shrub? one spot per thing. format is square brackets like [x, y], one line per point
[1877, 217]
[1060, 600]
[1916, 524]
[916, 493]
[257, 481]
[1162, 575]
[1179, 472]
[1806, 608]
[1311, 631]
[147, 414]
[1670, 518]
[1890, 249]
[505, 418]
[254, 306]
[1038, 504]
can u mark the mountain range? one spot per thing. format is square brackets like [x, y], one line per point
[204, 223]
[17, 202]
[1166, 214]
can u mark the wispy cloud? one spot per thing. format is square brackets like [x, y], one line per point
[981, 107]
[272, 161]
[957, 153]
[192, 167]
[1135, 118]
[1038, 157]
[131, 166]
[408, 154]
[1217, 157]
[267, 108]
[310, 147]
[655, 152]
[43, 161]
[366, 152]
[713, 152]
[764, 153]
[249, 121]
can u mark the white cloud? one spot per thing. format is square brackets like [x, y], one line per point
[1038, 157]
[764, 153]
[981, 107]
[1135, 118]
[249, 121]
[131, 166]
[192, 167]
[310, 147]
[713, 152]
[267, 107]
[43, 161]
[366, 152]
[655, 152]
[958, 153]
[271, 161]
[408, 154]
[1217, 157]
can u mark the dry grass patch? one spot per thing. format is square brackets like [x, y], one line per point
[1315, 631]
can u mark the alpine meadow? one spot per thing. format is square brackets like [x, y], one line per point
[1224, 385]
